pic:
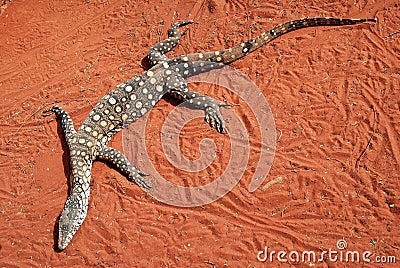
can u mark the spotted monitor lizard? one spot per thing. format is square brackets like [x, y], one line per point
[135, 97]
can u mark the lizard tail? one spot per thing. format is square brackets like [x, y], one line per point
[236, 52]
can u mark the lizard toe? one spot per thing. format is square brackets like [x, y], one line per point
[139, 180]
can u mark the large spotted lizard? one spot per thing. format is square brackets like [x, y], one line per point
[135, 97]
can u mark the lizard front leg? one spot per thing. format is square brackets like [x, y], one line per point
[66, 122]
[210, 106]
[124, 166]
[177, 87]
[157, 51]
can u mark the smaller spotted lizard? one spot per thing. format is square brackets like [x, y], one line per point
[135, 97]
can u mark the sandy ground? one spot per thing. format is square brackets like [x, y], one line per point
[334, 94]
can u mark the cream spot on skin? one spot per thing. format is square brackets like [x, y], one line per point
[96, 117]
[128, 89]
[112, 101]
[150, 73]
[138, 104]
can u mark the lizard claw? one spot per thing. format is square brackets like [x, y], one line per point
[48, 112]
[182, 23]
[140, 181]
[173, 31]
[143, 174]
[53, 110]
[137, 176]
[214, 118]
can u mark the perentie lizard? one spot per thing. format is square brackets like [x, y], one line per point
[135, 97]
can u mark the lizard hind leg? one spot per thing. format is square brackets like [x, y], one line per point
[156, 53]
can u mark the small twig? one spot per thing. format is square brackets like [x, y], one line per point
[145, 19]
[211, 263]
[390, 35]
[392, 246]
[88, 101]
[369, 141]
[280, 135]
[26, 120]
[270, 183]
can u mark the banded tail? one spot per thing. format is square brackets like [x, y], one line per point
[234, 53]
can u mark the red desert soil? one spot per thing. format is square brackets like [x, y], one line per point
[334, 93]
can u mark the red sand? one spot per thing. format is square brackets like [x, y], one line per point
[334, 93]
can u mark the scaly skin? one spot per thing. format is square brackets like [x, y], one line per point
[132, 99]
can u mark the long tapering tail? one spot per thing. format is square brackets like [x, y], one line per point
[236, 52]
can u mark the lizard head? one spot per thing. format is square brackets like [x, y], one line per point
[75, 209]
[72, 216]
